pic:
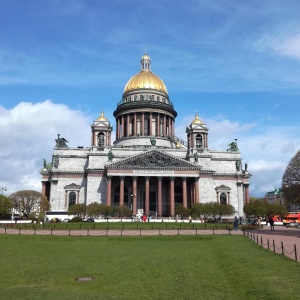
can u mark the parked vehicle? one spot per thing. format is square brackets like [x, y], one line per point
[292, 219]
[61, 215]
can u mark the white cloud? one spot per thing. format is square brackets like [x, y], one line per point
[28, 133]
[290, 46]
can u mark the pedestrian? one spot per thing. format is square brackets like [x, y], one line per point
[144, 218]
[235, 223]
[271, 221]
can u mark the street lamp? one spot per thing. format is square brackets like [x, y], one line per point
[3, 189]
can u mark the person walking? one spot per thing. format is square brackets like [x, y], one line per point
[271, 221]
[235, 223]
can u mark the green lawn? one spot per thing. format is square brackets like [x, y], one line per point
[161, 267]
[122, 225]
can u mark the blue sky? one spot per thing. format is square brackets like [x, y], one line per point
[236, 63]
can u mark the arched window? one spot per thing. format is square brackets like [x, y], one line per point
[116, 196]
[125, 128]
[101, 140]
[198, 141]
[72, 198]
[223, 199]
[132, 127]
[178, 195]
[147, 126]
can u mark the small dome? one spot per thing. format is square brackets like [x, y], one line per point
[146, 56]
[102, 118]
[197, 121]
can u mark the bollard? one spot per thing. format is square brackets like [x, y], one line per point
[268, 244]
[282, 249]
[273, 246]
[261, 241]
[295, 249]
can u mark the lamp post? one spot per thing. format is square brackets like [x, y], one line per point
[3, 189]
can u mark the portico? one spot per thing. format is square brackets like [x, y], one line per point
[153, 182]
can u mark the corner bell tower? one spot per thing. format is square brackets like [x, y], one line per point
[197, 134]
[101, 133]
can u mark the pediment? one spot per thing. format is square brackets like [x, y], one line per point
[153, 159]
[72, 186]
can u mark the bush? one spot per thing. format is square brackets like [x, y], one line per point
[76, 219]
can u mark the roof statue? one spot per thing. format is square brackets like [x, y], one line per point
[233, 146]
[110, 155]
[61, 142]
[153, 141]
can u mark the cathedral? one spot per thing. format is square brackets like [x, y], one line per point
[147, 167]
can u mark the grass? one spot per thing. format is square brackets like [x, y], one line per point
[121, 225]
[161, 267]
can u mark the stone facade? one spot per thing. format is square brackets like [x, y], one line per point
[147, 168]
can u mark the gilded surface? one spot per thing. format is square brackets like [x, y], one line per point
[145, 80]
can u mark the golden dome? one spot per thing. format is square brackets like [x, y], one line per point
[197, 121]
[145, 79]
[102, 118]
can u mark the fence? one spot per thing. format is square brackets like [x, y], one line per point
[114, 232]
[272, 246]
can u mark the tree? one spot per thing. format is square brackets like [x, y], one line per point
[291, 181]
[263, 209]
[78, 210]
[94, 210]
[106, 210]
[28, 202]
[5, 207]
[122, 211]
[182, 211]
[199, 210]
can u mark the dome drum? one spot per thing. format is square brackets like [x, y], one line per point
[143, 106]
[144, 142]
